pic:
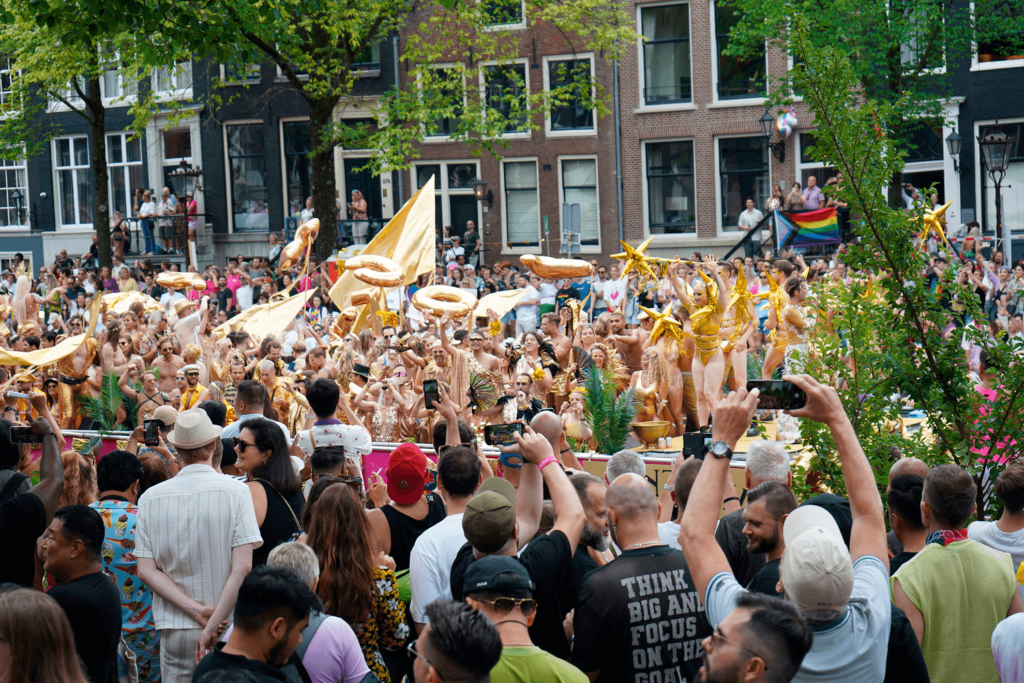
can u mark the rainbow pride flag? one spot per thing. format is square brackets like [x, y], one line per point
[807, 227]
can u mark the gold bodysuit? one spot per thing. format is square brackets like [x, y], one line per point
[706, 322]
[779, 299]
[647, 402]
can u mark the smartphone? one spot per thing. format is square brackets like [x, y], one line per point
[430, 393]
[778, 394]
[152, 432]
[501, 435]
[21, 434]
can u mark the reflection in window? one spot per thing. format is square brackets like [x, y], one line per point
[124, 171]
[247, 159]
[241, 73]
[74, 181]
[743, 169]
[737, 76]
[670, 191]
[506, 94]
[572, 111]
[461, 175]
[177, 149]
[6, 83]
[424, 173]
[502, 12]
[579, 186]
[178, 77]
[369, 58]
[298, 165]
[998, 39]
[666, 54]
[522, 204]
[447, 90]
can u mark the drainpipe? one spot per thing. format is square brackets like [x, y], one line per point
[401, 175]
[618, 146]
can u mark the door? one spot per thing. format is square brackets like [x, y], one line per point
[922, 180]
[358, 178]
[462, 208]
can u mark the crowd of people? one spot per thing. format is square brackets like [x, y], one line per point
[247, 538]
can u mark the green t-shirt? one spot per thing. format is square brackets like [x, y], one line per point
[532, 664]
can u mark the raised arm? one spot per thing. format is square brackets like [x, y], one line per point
[51, 468]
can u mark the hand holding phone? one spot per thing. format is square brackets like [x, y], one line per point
[431, 393]
[21, 434]
[501, 435]
[778, 394]
[153, 432]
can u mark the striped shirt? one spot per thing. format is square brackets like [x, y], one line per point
[188, 525]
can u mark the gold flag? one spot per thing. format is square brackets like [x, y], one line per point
[55, 353]
[408, 239]
[120, 303]
[238, 322]
[274, 317]
[499, 302]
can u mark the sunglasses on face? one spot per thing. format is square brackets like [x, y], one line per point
[505, 605]
[191, 374]
[240, 445]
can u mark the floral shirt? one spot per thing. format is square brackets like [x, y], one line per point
[119, 563]
[385, 625]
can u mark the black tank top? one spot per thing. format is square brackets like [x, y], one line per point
[405, 530]
[278, 525]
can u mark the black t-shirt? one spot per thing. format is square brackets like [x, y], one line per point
[405, 530]
[22, 522]
[640, 618]
[565, 294]
[469, 242]
[224, 299]
[898, 560]
[582, 565]
[92, 604]
[548, 560]
[766, 580]
[218, 661]
[904, 661]
[729, 535]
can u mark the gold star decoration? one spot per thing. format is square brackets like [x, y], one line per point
[664, 323]
[636, 260]
[932, 222]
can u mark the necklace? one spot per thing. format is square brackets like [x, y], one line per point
[637, 545]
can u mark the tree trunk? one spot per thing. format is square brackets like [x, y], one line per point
[101, 198]
[324, 189]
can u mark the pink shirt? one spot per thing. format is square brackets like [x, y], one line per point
[234, 282]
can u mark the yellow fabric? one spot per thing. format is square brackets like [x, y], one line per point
[191, 397]
[499, 302]
[271, 318]
[58, 351]
[407, 239]
[120, 303]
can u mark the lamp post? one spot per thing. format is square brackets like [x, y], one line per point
[481, 192]
[996, 148]
[778, 149]
[184, 173]
[953, 144]
[17, 197]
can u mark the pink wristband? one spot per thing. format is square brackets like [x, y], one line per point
[546, 461]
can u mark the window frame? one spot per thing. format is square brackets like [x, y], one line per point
[729, 230]
[281, 123]
[442, 190]
[123, 166]
[520, 248]
[426, 138]
[7, 96]
[977, 65]
[57, 168]
[256, 79]
[176, 92]
[482, 81]
[584, 247]
[546, 62]
[8, 166]
[521, 24]
[668, 236]
[642, 60]
[232, 228]
[717, 101]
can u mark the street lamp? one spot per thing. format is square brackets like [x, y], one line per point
[17, 197]
[778, 149]
[996, 148]
[184, 173]
[953, 143]
[481, 192]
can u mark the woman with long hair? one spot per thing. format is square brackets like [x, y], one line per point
[799, 319]
[651, 384]
[38, 645]
[79, 480]
[26, 305]
[607, 358]
[274, 483]
[113, 357]
[353, 583]
[387, 408]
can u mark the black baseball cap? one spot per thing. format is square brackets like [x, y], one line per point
[496, 572]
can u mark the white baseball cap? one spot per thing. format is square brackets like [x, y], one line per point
[816, 569]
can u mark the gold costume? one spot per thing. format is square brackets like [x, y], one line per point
[190, 398]
[741, 301]
[689, 394]
[778, 299]
[706, 322]
[72, 384]
[647, 407]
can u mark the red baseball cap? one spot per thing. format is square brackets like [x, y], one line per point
[407, 474]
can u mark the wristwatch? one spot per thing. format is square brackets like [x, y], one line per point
[719, 449]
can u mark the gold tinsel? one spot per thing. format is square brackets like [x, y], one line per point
[494, 328]
[538, 373]
[388, 318]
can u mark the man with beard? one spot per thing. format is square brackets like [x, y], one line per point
[768, 506]
[271, 612]
[589, 554]
[644, 603]
[194, 393]
[627, 342]
[168, 364]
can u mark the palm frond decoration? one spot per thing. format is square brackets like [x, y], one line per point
[481, 392]
[608, 417]
[103, 409]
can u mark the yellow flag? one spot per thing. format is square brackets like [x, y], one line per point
[499, 302]
[272, 318]
[58, 351]
[120, 303]
[408, 239]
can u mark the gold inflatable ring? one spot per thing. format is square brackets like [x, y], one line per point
[305, 235]
[556, 268]
[378, 271]
[440, 299]
[181, 281]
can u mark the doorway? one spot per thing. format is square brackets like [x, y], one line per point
[359, 178]
[462, 208]
[922, 180]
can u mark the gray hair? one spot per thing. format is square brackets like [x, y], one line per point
[298, 558]
[266, 365]
[768, 460]
[155, 317]
[625, 462]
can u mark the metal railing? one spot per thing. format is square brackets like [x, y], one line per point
[755, 246]
[359, 232]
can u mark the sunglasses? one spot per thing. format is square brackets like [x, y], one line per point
[505, 605]
[414, 655]
[240, 445]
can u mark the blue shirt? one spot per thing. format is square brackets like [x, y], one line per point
[584, 290]
[121, 566]
[235, 428]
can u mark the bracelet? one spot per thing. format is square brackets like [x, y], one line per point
[668, 487]
[731, 498]
[545, 462]
[566, 450]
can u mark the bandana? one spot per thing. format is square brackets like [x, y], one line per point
[946, 536]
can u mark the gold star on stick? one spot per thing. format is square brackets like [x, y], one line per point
[664, 323]
[635, 259]
[932, 222]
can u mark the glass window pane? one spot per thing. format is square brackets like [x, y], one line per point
[666, 54]
[64, 152]
[571, 113]
[118, 190]
[461, 175]
[114, 153]
[502, 12]
[670, 188]
[579, 184]
[110, 89]
[424, 172]
[248, 176]
[522, 207]
[298, 165]
[506, 94]
[744, 174]
[81, 146]
[737, 76]
[177, 143]
[448, 88]
[133, 150]
[82, 178]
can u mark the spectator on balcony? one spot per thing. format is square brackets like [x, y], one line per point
[357, 209]
[307, 213]
[165, 210]
[813, 198]
[795, 199]
[146, 212]
[472, 244]
[751, 217]
[454, 251]
[776, 201]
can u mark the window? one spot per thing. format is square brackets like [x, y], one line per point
[573, 110]
[71, 95]
[369, 58]
[115, 87]
[448, 86]
[743, 174]
[235, 73]
[738, 77]
[8, 261]
[13, 213]
[124, 171]
[502, 12]
[74, 181]
[298, 165]
[670, 191]
[454, 202]
[247, 159]
[924, 47]
[6, 83]
[923, 141]
[579, 186]
[1012, 197]
[424, 172]
[505, 90]
[177, 149]
[809, 167]
[173, 79]
[522, 204]
[666, 32]
[998, 39]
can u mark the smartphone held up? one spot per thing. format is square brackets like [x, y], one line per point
[778, 394]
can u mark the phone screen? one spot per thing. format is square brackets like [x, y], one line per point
[501, 435]
[778, 394]
[430, 393]
[21, 434]
[152, 433]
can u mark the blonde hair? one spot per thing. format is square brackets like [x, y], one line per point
[657, 370]
[600, 346]
[29, 619]
[21, 294]
[79, 479]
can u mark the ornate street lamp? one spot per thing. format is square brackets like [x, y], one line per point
[17, 198]
[481, 192]
[996, 148]
[184, 173]
[953, 144]
[778, 149]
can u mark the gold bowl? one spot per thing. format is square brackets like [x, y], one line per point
[650, 432]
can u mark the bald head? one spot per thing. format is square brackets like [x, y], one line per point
[908, 466]
[549, 425]
[632, 498]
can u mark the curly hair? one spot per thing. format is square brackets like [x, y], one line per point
[340, 535]
[600, 346]
[657, 370]
[79, 480]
